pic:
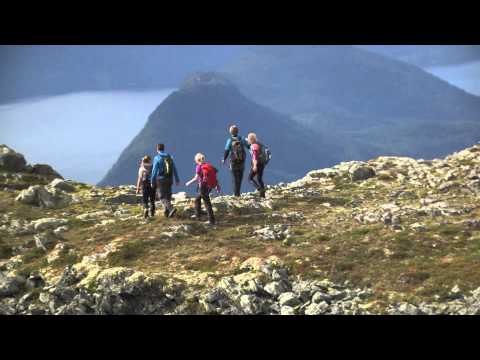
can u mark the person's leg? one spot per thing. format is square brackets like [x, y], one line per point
[238, 175]
[145, 195]
[163, 196]
[260, 169]
[168, 193]
[152, 201]
[251, 178]
[198, 205]
[260, 180]
[233, 171]
[145, 198]
[205, 194]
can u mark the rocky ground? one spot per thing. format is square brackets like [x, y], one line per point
[388, 236]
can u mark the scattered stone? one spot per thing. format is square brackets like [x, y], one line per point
[287, 310]
[44, 240]
[288, 299]
[361, 172]
[10, 285]
[275, 288]
[316, 308]
[48, 224]
[61, 184]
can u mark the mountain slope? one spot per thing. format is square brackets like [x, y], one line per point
[196, 118]
[33, 71]
[361, 99]
[303, 79]
[428, 55]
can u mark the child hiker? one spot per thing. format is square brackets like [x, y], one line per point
[206, 177]
[143, 182]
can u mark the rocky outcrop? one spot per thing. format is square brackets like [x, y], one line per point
[63, 185]
[11, 160]
[383, 211]
[45, 170]
[45, 197]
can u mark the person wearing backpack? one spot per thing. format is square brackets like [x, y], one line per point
[235, 147]
[206, 177]
[162, 178]
[260, 157]
[144, 183]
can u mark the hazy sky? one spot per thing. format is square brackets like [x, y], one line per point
[465, 76]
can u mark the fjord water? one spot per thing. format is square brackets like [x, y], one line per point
[465, 76]
[80, 134]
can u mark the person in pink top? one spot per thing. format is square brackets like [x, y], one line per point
[258, 166]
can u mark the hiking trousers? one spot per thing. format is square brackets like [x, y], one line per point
[259, 185]
[164, 188]
[148, 196]
[204, 194]
[237, 176]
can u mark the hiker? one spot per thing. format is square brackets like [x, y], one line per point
[235, 147]
[162, 178]
[206, 177]
[258, 164]
[144, 182]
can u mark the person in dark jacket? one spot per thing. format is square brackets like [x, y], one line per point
[144, 183]
[162, 178]
[236, 147]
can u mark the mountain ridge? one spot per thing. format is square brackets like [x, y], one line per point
[204, 107]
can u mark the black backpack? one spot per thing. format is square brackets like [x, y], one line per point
[265, 154]
[167, 167]
[238, 152]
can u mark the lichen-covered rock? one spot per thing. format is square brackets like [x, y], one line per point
[62, 185]
[48, 224]
[45, 240]
[10, 285]
[11, 160]
[288, 299]
[42, 196]
[316, 308]
[361, 172]
[45, 170]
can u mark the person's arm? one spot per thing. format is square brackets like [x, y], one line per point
[245, 142]
[227, 149]
[139, 180]
[154, 172]
[195, 178]
[254, 158]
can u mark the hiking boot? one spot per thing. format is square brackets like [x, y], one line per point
[152, 212]
[165, 213]
[171, 212]
[262, 193]
[145, 213]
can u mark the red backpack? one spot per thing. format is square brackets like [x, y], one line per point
[209, 175]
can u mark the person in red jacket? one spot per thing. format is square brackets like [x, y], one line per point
[206, 177]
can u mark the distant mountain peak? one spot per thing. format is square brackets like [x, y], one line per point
[206, 79]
